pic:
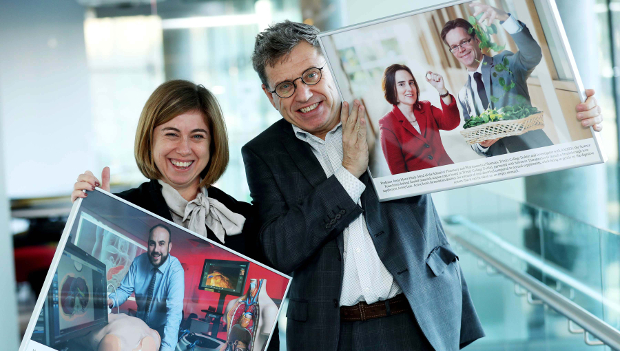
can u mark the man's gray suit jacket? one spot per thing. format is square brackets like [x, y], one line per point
[303, 216]
[521, 63]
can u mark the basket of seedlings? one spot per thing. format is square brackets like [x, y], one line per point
[502, 122]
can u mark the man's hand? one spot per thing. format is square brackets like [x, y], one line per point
[88, 181]
[488, 143]
[110, 303]
[489, 13]
[589, 112]
[354, 143]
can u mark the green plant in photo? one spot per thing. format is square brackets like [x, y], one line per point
[483, 33]
[506, 113]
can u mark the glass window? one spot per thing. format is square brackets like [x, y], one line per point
[554, 41]
[129, 57]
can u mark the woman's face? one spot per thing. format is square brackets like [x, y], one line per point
[181, 149]
[406, 92]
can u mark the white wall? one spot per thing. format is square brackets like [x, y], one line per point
[45, 93]
[366, 10]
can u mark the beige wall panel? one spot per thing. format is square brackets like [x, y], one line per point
[538, 100]
[455, 79]
[568, 101]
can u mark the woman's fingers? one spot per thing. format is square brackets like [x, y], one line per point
[105, 179]
[432, 77]
[428, 76]
[79, 189]
[88, 182]
[77, 193]
[83, 186]
[89, 178]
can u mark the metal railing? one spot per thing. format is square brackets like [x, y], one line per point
[579, 319]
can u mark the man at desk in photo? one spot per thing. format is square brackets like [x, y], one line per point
[483, 83]
[157, 279]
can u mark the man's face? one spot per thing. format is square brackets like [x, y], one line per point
[319, 102]
[159, 246]
[469, 53]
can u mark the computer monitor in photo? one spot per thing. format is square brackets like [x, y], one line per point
[76, 301]
[224, 276]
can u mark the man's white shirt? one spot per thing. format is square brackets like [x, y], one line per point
[365, 277]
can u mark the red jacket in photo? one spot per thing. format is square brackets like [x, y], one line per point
[407, 150]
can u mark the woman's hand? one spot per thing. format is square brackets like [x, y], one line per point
[436, 80]
[88, 181]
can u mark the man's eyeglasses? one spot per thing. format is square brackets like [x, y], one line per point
[463, 42]
[286, 89]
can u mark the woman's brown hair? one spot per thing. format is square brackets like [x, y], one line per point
[389, 85]
[168, 101]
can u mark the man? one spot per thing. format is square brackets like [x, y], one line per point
[367, 275]
[483, 84]
[157, 279]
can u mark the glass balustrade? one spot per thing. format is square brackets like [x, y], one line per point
[575, 259]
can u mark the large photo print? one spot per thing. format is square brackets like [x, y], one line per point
[463, 94]
[124, 279]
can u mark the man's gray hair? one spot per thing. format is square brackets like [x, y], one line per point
[277, 41]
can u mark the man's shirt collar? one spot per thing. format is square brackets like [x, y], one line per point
[304, 135]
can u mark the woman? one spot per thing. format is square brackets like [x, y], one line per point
[410, 132]
[182, 147]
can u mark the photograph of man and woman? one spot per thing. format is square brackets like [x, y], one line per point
[427, 77]
[128, 280]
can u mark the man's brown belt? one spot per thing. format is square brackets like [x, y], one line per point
[363, 311]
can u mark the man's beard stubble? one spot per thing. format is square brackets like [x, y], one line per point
[163, 260]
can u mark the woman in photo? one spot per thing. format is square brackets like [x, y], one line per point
[410, 132]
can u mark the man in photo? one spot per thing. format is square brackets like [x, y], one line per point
[157, 279]
[484, 80]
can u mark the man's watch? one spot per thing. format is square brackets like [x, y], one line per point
[444, 95]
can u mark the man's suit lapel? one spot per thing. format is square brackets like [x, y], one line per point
[369, 200]
[486, 77]
[308, 165]
[302, 155]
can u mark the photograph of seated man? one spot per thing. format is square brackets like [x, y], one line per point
[157, 279]
[484, 88]
[410, 137]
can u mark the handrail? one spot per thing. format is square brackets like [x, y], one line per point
[534, 261]
[592, 324]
